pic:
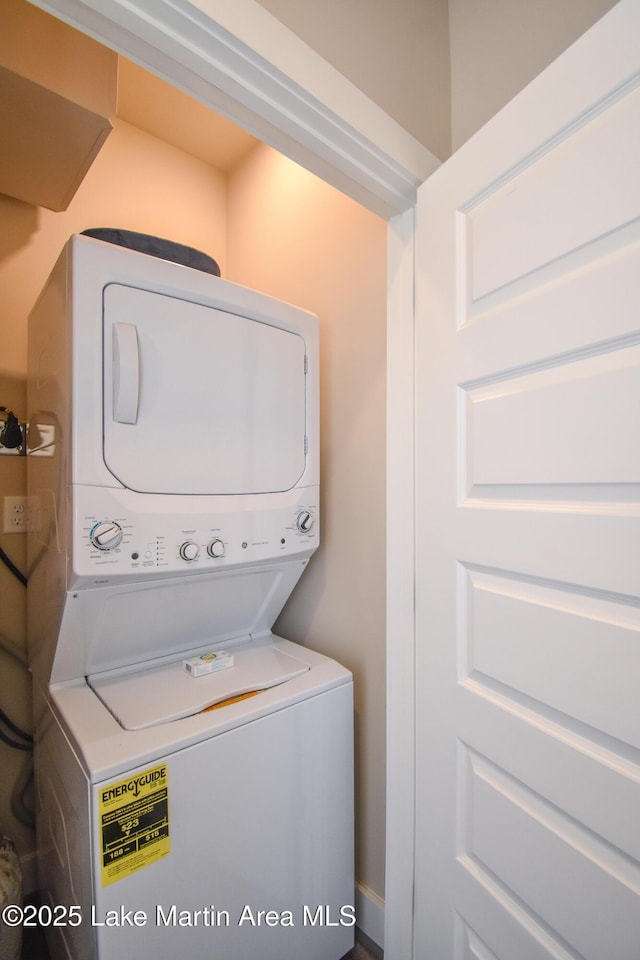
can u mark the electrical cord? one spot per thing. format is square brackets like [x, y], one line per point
[12, 743]
[14, 727]
[8, 562]
[19, 808]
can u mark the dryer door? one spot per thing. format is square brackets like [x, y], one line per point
[198, 400]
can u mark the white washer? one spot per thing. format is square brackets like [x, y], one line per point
[173, 477]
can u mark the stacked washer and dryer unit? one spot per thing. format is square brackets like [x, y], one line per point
[194, 772]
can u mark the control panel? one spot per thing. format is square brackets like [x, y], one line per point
[113, 541]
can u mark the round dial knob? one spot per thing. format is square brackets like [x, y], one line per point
[189, 550]
[304, 521]
[215, 548]
[106, 535]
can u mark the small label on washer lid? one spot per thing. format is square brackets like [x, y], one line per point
[208, 663]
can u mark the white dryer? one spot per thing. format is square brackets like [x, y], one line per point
[203, 811]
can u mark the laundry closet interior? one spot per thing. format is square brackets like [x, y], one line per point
[169, 167]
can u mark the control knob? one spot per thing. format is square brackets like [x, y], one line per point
[106, 535]
[215, 548]
[189, 550]
[304, 521]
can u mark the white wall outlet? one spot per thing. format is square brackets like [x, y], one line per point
[15, 515]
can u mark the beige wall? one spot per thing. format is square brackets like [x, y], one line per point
[395, 52]
[499, 46]
[138, 183]
[441, 69]
[298, 239]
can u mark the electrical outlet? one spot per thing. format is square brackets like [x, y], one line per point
[15, 515]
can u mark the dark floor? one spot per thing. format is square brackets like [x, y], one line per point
[365, 949]
[34, 946]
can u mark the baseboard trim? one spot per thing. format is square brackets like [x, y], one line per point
[370, 914]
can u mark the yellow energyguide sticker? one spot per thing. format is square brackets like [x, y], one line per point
[133, 817]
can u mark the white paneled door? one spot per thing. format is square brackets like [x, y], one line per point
[528, 497]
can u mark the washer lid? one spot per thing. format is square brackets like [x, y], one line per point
[154, 695]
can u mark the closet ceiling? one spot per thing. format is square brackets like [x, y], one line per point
[162, 110]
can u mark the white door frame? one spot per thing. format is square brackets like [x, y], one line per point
[236, 58]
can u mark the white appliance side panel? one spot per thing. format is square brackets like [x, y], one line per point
[198, 400]
[63, 822]
[260, 819]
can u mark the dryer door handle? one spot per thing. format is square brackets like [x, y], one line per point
[126, 373]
